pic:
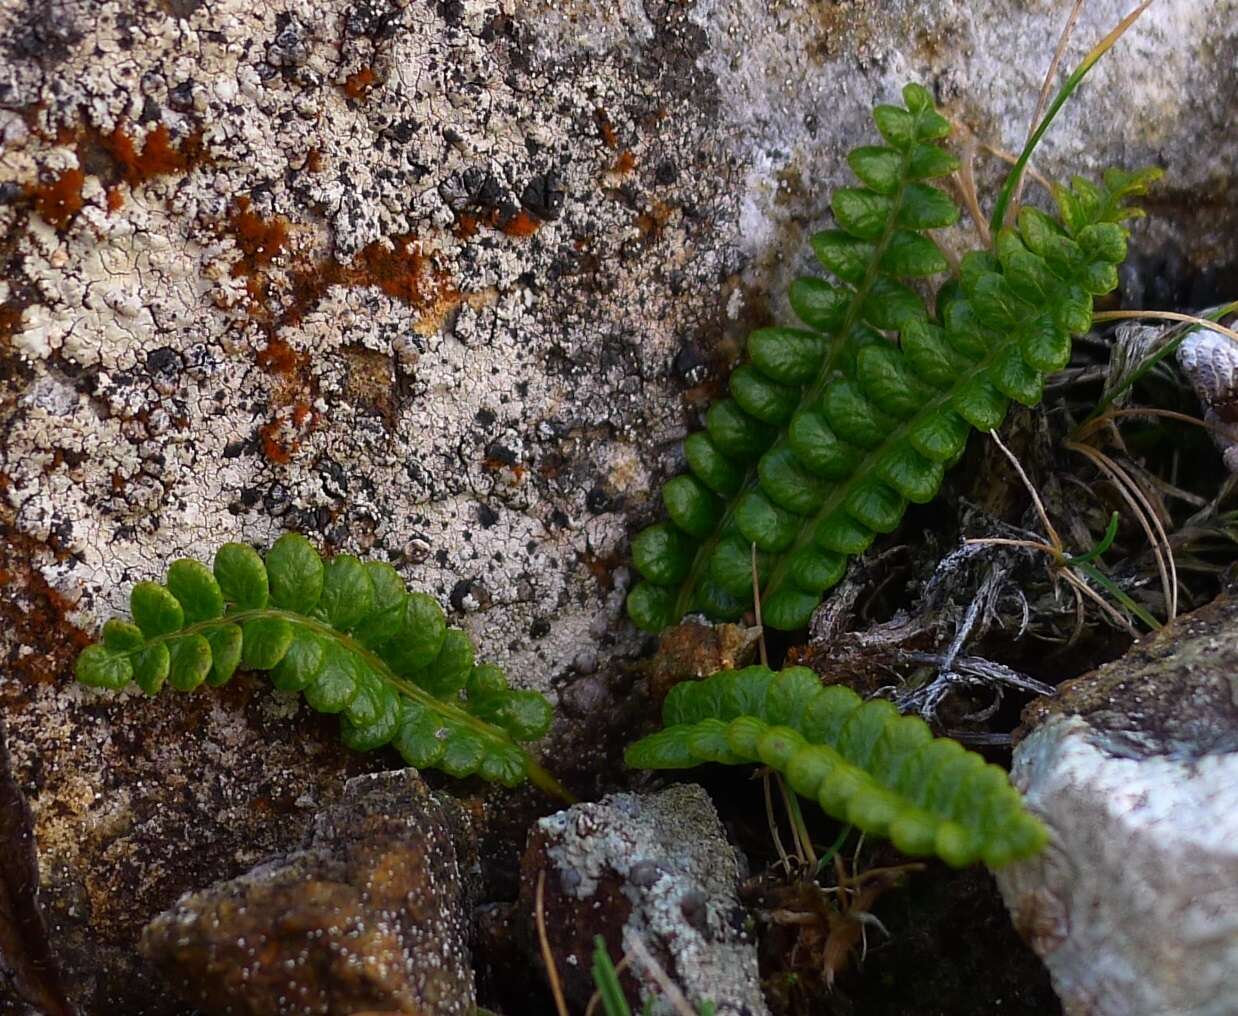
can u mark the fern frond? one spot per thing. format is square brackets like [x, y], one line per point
[764, 459]
[344, 633]
[860, 760]
[831, 432]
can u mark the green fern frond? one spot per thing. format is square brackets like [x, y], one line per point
[831, 431]
[344, 633]
[860, 760]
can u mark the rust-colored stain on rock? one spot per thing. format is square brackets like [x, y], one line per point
[358, 84]
[57, 202]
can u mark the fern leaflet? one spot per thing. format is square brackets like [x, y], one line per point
[344, 633]
[860, 760]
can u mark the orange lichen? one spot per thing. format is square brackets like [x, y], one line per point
[34, 613]
[625, 163]
[466, 226]
[314, 160]
[494, 465]
[272, 448]
[651, 222]
[259, 239]
[301, 414]
[521, 224]
[158, 156]
[115, 199]
[605, 128]
[57, 202]
[358, 84]
[398, 270]
[10, 319]
[280, 358]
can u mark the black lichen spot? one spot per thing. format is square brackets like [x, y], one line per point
[501, 454]
[540, 628]
[544, 196]
[695, 910]
[43, 31]
[451, 11]
[182, 9]
[180, 96]
[277, 499]
[690, 365]
[374, 19]
[666, 173]
[164, 363]
[486, 516]
[598, 501]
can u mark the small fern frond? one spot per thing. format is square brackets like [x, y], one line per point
[764, 440]
[831, 432]
[344, 633]
[860, 760]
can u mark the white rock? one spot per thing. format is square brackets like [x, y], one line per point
[1134, 905]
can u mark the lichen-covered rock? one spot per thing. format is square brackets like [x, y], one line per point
[442, 283]
[1134, 905]
[372, 915]
[654, 867]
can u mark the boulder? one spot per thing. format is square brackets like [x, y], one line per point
[371, 916]
[1134, 767]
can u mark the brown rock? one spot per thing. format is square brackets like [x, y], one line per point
[1175, 691]
[371, 916]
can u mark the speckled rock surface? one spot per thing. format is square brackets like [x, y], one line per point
[443, 283]
[654, 867]
[371, 916]
[1134, 905]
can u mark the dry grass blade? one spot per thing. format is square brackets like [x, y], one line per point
[803, 843]
[670, 991]
[965, 181]
[1055, 551]
[1095, 424]
[783, 857]
[1147, 517]
[1002, 206]
[1167, 315]
[1045, 88]
[1040, 508]
[552, 972]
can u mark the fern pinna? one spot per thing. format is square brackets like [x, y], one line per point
[344, 633]
[860, 760]
[831, 430]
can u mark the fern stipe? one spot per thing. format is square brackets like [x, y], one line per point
[831, 430]
[344, 633]
[860, 760]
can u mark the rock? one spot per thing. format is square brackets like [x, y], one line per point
[1210, 362]
[652, 867]
[372, 915]
[415, 280]
[1134, 905]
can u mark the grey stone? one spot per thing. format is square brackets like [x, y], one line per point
[1134, 904]
[654, 869]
